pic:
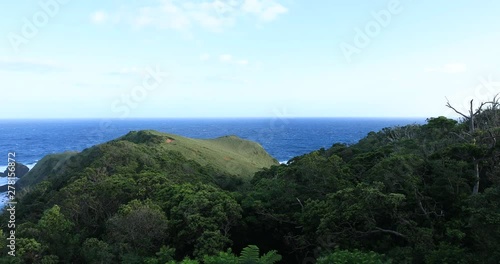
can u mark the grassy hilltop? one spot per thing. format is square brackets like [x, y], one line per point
[227, 155]
[230, 154]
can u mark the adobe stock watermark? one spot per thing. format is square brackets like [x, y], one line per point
[32, 25]
[364, 36]
[151, 81]
[484, 91]
[224, 8]
[122, 106]
[11, 195]
[277, 125]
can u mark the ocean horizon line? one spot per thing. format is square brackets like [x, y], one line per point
[210, 118]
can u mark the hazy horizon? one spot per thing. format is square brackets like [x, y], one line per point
[214, 117]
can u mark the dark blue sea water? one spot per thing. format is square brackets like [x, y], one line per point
[283, 138]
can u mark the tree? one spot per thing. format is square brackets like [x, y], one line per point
[201, 217]
[470, 118]
[357, 216]
[3, 240]
[29, 250]
[95, 251]
[55, 231]
[484, 225]
[165, 255]
[140, 226]
[446, 254]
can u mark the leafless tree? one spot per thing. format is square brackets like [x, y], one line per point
[471, 117]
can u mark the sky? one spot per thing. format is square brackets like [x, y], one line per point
[246, 58]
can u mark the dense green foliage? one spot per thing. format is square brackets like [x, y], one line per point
[400, 195]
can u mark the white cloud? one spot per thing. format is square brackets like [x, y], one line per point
[213, 15]
[264, 10]
[166, 16]
[252, 6]
[205, 57]
[229, 59]
[225, 58]
[98, 17]
[242, 62]
[144, 18]
[273, 12]
[449, 68]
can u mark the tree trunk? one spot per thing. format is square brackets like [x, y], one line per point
[471, 116]
[472, 128]
[476, 186]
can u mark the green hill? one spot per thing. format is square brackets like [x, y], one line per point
[180, 192]
[229, 154]
[147, 150]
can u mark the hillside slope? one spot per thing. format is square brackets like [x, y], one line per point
[146, 150]
[229, 154]
[46, 166]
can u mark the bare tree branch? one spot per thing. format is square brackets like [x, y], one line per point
[480, 107]
[390, 232]
[453, 108]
